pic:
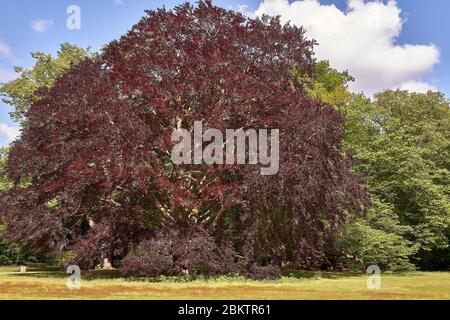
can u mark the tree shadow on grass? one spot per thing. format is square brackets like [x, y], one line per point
[56, 272]
[59, 273]
[311, 275]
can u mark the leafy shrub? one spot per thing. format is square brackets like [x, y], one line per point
[11, 254]
[86, 255]
[377, 247]
[270, 272]
[180, 251]
[191, 250]
[8, 254]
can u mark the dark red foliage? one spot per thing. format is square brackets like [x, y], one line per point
[182, 250]
[98, 144]
[257, 272]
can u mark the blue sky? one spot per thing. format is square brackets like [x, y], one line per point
[40, 25]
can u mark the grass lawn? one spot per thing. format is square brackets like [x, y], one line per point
[49, 283]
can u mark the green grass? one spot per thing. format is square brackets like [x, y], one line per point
[50, 283]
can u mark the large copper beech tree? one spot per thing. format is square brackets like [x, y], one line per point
[92, 170]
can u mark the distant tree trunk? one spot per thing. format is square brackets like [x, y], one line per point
[106, 264]
[106, 260]
[107, 257]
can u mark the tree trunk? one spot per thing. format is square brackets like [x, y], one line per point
[107, 264]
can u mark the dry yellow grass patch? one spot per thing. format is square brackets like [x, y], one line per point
[51, 284]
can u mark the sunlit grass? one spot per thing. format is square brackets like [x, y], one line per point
[50, 283]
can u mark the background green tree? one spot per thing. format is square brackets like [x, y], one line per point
[401, 143]
[378, 239]
[21, 92]
[407, 163]
[8, 253]
[4, 183]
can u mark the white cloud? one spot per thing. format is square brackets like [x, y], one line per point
[417, 86]
[9, 133]
[5, 50]
[7, 75]
[243, 8]
[41, 25]
[361, 39]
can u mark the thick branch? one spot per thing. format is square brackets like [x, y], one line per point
[164, 210]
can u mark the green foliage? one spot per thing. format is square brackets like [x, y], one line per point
[401, 142]
[378, 240]
[327, 85]
[8, 254]
[4, 183]
[331, 86]
[407, 162]
[436, 259]
[11, 254]
[21, 92]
